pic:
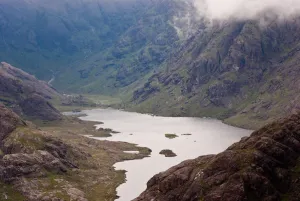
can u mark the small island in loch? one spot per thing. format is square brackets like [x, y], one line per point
[167, 153]
[171, 136]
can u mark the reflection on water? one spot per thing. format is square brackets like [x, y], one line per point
[209, 136]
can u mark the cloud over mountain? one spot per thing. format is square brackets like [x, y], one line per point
[248, 9]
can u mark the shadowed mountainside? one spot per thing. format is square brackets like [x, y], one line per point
[45, 37]
[26, 95]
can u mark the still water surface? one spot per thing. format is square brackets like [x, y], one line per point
[209, 136]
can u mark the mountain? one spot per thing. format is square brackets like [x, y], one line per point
[92, 46]
[159, 56]
[138, 52]
[240, 72]
[26, 95]
[264, 166]
[45, 37]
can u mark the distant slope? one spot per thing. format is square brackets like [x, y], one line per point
[92, 46]
[138, 52]
[238, 71]
[26, 95]
[264, 166]
[44, 38]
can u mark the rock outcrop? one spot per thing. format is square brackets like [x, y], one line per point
[262, 167]
[8, 121]
[27, 95]
[167, 153]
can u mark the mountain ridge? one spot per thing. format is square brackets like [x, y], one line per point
[236, 73]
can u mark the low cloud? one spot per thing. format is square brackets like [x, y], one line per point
[248, 9]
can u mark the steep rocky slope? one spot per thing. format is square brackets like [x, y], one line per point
[239, 71]
[26, 95]
[58, 164]
[264, 166]
[138, 52]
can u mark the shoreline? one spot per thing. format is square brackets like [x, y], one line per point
[125, 135]
[252, 126]
[72, 130]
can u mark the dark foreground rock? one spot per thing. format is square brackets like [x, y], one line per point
[262, 167]
[167, 153]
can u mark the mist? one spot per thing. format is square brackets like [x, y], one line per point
[263, 10]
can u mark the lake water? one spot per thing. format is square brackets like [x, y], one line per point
[209, 136]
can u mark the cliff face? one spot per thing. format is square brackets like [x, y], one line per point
[262, 167]
[27, 95]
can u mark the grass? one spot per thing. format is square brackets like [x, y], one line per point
[7, 192]
[28, 138]
[92, 102]
[73, 124]
[103, 100]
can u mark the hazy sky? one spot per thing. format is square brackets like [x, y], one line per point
[248, 9]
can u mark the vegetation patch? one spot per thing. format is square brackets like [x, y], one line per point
[7, 192]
